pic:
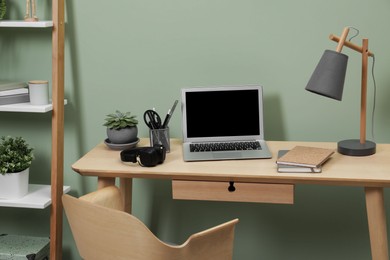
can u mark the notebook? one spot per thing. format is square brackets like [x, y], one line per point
[305, 156]
[216, 118]
[293, 168]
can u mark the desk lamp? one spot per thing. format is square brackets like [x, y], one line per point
[328, 80]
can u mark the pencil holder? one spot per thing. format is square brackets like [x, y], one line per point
[160, 137]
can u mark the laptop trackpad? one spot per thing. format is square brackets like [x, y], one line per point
[227, 155]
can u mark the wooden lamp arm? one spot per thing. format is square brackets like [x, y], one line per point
[350, 45]
[342, 39]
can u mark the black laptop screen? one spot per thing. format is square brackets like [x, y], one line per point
[223, 113]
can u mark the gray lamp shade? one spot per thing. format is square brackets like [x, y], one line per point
[329, 75]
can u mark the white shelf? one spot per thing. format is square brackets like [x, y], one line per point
[38, 197]
[27, 107]
[17, 23]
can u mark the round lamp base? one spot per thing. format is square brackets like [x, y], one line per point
[353, 147]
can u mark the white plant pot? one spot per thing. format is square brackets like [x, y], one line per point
[14, 185]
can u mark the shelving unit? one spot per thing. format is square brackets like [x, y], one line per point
[20, 24]
[41, 196]
[38, 197]
[27, 107]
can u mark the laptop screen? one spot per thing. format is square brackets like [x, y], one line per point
[223, 112]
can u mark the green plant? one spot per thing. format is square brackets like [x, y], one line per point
[120, 120]
[15, 154]
[3, 8]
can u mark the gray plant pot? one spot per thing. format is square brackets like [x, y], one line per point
[123, 136]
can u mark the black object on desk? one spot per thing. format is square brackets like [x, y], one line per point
[152, 119]
[169, 114]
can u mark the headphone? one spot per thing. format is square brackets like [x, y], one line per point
[145, 156]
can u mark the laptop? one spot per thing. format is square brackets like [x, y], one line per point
[223, 123]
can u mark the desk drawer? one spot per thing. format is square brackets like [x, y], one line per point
[233, 191]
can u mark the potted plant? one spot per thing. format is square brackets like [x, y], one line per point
[121, 127]
[3, 8]
[15, 159]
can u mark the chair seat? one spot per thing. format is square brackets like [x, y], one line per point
[103, 231]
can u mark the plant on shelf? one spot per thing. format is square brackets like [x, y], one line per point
[121, 127]
[16, 156]
[3, 8]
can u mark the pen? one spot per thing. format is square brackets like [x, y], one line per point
[169, 114]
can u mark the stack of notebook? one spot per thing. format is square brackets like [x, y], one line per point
[303, 159]
[13, 92]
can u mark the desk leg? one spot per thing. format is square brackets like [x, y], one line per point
[377, 223]
[126, 187]
[105, 181]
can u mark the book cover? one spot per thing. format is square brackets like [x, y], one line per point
[7, 85]
[305, 156]
[291, 168]
[19, 98]
[13, 92]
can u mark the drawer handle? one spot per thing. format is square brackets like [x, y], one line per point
[231, 187]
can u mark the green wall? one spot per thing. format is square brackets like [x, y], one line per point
[135, 55]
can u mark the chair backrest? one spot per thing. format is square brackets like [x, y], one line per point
[101, 231]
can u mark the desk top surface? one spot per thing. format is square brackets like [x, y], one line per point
[373, 170]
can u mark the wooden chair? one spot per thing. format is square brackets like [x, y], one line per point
[103, 231]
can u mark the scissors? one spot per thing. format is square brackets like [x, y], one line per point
[152, 119]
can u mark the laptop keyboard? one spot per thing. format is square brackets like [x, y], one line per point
[225, 146]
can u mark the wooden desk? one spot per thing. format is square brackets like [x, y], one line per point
[253, 180]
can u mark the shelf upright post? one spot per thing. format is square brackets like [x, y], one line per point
[57, 161]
